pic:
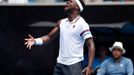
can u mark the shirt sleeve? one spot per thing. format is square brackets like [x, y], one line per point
[85, 31]
[129, 67]
[102, 69]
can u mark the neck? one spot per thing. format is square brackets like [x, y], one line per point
[73, 15]
[117, 60]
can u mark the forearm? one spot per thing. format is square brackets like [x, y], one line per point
[41, 40]
[91, 52]
[45, 38]
[91, 55]
[51, 35]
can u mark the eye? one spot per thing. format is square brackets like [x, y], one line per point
[71, 1]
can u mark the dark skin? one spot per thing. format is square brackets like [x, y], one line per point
[72, 9]
[117, 54]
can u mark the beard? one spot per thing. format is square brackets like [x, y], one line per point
[67, 10]
[116, 57]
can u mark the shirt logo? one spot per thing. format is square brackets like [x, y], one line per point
[121, 65]
[73, 26]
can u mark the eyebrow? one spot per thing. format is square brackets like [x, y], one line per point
[117, 49]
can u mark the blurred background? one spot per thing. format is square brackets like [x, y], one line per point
[109, 21]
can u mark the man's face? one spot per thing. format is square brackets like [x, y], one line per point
[117, 53]
[70, 5]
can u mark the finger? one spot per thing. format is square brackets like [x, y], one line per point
[84, 70]
[25, 43]
[30, 36]
[27, 39]
[27, 46]
[30, 46]
[87, 73]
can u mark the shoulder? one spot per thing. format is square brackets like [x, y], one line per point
[82, 23]
[126, 59]
[107, 61]
[82, 20]
[64, 19]
[59, 22]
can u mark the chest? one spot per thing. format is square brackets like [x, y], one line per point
[69, 29]
[116, 68]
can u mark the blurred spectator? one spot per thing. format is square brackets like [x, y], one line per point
[46, 1]
[102, 55]
[87, 1]
[50, 1]
[32, 1]
[116, 65]
[1, 1]
[18, 1]
[60, 0]
[123, 0]
[119, 0]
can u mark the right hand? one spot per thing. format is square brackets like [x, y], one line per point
[29, 41]
[87, 71]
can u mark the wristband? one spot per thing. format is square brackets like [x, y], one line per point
[38, 41]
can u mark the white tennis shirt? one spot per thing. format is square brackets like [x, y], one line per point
[72, 38]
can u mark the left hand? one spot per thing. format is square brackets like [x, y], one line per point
[87, 71]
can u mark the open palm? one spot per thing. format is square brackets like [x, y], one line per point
[29, 41]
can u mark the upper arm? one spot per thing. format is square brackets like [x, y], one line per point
[55, 30]
[91, 50]
[89, 42]
[85, 31]
[58, 24]
[52, 34]
[130, 67]
[86, 35]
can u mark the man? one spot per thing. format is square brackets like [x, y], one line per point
[102, 56]
[116, 65]
[74, 31]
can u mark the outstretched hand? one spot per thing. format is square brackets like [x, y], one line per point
[29, 41]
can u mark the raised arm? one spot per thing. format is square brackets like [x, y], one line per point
[52, 34]
[39, 41]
